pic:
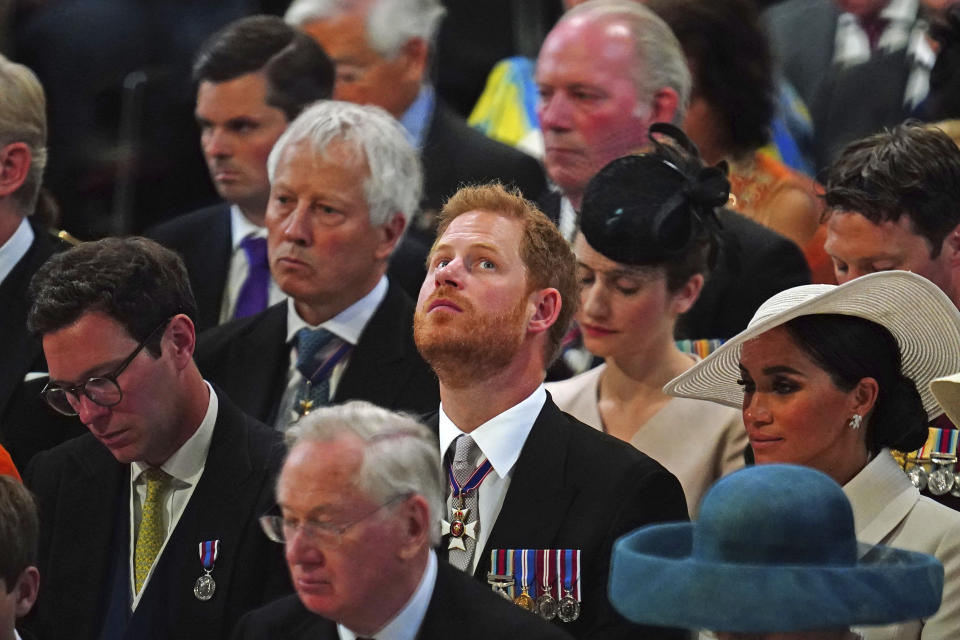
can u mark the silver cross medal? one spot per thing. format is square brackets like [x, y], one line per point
[458, 528]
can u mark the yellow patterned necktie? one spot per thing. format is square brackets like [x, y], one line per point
[151, 535]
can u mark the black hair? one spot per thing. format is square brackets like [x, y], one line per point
[850, 349]
[297, 69]
[657, 208]
[731, 64]
[19, 530]
[135, 281]
[909, 169]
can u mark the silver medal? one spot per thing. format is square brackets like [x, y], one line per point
[204, 587]
[569, 608]
[918, 476]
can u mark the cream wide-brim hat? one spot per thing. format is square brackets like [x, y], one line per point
[947, 392]
[924, 321]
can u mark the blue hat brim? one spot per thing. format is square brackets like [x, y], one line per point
[655, 580]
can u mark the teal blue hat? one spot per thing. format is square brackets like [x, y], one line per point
[773, 550]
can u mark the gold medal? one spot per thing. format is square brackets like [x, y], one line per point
[524, 600]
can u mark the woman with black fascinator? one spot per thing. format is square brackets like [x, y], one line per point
[648, 234]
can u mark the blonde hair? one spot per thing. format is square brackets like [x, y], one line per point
[23, 118]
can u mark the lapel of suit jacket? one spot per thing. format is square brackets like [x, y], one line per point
[377, 361]
[309, 626]
[216, 511]
[90, 504]
[255, 371]
[212, 266]
[537, 500]
[20, 349]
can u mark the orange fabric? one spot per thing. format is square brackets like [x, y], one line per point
[760, 187]
[7, 467]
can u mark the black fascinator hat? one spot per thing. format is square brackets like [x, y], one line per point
[655, 207]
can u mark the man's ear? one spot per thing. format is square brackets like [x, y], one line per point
[415, 53]
[181, 335]
[414, 514]
[665, 104]
[27, 587]
[15, 159]
[390, 234]
[547, 304]
[951, 246]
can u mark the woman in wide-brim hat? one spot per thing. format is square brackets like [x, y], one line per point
[647, 230]
[833, 377]
[773, 551]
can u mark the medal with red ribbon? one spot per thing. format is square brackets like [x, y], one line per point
[457, 526]
[205, 586]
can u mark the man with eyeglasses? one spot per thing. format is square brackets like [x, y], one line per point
[148, 522]
[359, 502]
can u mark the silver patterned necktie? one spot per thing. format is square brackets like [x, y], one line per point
[465, 458]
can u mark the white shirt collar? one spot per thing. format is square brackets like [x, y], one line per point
[241, 227]
[187, 463]
[406, 624]
[348, 324]
[502, 437]
[16, 246]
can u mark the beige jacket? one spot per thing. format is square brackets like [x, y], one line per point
[888, 510]
[696, 440]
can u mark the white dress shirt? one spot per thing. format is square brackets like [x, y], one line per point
[185, 466]
[16, 246]
[406, 624]
[500, 439]
[348, 325]
[240, 229]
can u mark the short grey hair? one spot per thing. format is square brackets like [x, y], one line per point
[23, 118]
[660, 61]
[390, 23]
[396, 178]
[400, 455]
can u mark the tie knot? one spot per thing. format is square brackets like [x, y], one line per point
[256, 250]
[465, 453]
[310, 343]
[156, 476]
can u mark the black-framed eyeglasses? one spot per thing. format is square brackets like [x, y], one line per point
[103, 390]
[327, 534]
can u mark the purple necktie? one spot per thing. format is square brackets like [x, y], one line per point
[253, 294]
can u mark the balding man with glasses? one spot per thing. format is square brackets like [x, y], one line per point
[359, 504]
[148, 522]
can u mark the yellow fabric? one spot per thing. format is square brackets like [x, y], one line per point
[151, 534]
[500, 112]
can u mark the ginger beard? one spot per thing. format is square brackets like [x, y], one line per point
[467, 347]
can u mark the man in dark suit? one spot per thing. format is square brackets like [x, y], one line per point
[360, 498]
[606, 73]
[170, 465]
[345, 182]
[382, 51]
[25, 244]
[253, 77]
[500, 292]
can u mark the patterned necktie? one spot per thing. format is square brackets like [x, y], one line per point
[318, 351]
[253, 293]
[465, 458]
[151, 534]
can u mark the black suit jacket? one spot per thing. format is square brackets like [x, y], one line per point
[21, 352]
[459, 608]
[249, 358]
[81, 490]
[204, 241]
[574, 487]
